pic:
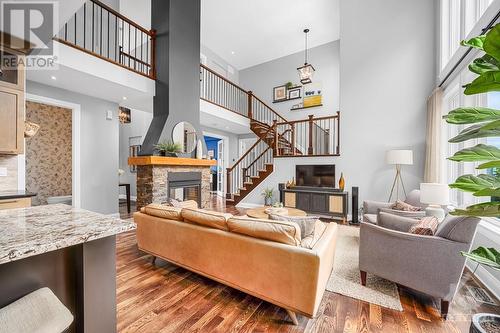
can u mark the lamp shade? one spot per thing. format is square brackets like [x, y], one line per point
[399, 156]
[434, 194]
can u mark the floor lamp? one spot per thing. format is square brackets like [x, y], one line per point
[398, 158]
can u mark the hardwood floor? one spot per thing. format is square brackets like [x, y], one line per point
[166, 298]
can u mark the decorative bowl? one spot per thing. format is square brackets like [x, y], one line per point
[276, 211]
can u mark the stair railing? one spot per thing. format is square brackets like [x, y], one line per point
[248, 166]
[99, 30]
[309, 137]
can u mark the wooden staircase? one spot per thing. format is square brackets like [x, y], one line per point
[277, 137]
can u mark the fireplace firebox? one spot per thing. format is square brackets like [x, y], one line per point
[184, 186]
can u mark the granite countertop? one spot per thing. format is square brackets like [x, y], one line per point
[5, 195]
[35, 230]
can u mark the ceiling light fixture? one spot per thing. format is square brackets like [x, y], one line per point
[53, 77]
[232, 52]
[124, 98]
[306, 72]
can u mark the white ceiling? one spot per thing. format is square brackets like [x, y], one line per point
[262, 30]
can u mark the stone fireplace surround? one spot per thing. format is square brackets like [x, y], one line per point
[152, 177]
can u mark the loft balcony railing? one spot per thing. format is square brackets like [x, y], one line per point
[101, 31]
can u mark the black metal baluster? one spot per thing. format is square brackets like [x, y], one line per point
[108, 35]
[66, 32]
[142, 38]
[128, 55]
[135, 49]
[84, 25]
[75, 30]
[116, 38]
[100, 35]
[93, 25]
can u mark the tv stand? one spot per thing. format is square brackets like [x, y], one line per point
[325, 201]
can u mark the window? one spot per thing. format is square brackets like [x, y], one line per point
[458, 18]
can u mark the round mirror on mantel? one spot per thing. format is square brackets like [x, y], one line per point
[185, 135]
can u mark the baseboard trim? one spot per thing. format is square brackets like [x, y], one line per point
[124, 197]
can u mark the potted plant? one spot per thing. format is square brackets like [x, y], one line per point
[484, 123]
[268, 196]
[168, 148]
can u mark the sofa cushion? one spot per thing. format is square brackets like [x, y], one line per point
[370, 218]
[395, 222]
[412, 214]
[401, 205]
[458, 228]
[206, 218]
[183, 204]
[276, 231]
[427, 226]
[163, 211]
[309, 241]
[306, 223]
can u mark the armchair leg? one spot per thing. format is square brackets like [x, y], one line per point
[292, 316]
[363, 277]
[444, 309]
[153, 260]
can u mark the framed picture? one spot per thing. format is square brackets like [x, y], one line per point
[279, 93]
[124, 115]
[295, 93]
[134, 148]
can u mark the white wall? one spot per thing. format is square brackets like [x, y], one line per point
[138, 127]
[262, 78]
[387, 70]
[219, 65]
[99, 147]
[138, 11]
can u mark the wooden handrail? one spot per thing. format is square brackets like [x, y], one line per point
[306, 120]
[270, 108]
[124, 18]
[223, 78]
[258, 157]
[248, 152]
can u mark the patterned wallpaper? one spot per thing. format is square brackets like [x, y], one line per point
[48, 154]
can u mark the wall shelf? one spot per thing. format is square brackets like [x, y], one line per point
[306, 107]
[286, 100]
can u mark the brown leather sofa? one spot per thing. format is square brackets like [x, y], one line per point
[260, 257]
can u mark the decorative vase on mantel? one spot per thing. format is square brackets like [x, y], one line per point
[342, 182]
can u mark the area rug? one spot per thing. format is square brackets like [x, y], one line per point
[345, 279]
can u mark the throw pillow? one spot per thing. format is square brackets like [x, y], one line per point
[427, 226]
[401, 205]
[306, 223]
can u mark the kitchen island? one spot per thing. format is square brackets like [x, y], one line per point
[71, 251]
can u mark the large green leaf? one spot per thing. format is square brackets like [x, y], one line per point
[491, 44]
[485, 256]
[477, 153]
[489, 165]
[476, 42]
[477, 131]
[484, 64]
[488, 192]
[471, 183]
[470, 115]
[486, 209]
[489, 81]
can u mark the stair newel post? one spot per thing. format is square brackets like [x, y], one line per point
[228, 183]
[250, 111]
[310, 150]
[293, 138]
[153, 54]
[275, 143]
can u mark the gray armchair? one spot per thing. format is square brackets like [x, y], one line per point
[372, 208]
[429, 264]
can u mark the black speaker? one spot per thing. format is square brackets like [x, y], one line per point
[281, 187]
[355, 210]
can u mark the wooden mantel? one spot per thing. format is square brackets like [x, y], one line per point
[164, 160]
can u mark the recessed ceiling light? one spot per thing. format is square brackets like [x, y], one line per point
[227, 127]
[124, 98]
[53, 77]
[232, 52]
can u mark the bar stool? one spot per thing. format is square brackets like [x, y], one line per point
[40, 311]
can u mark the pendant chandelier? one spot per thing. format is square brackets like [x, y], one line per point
[306, 72]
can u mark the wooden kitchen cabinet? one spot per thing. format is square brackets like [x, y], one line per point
[12, 105]
[11, 121]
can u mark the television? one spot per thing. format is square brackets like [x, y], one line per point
[315, 175]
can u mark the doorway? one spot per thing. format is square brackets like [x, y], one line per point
[55, 180]
[217, 150]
